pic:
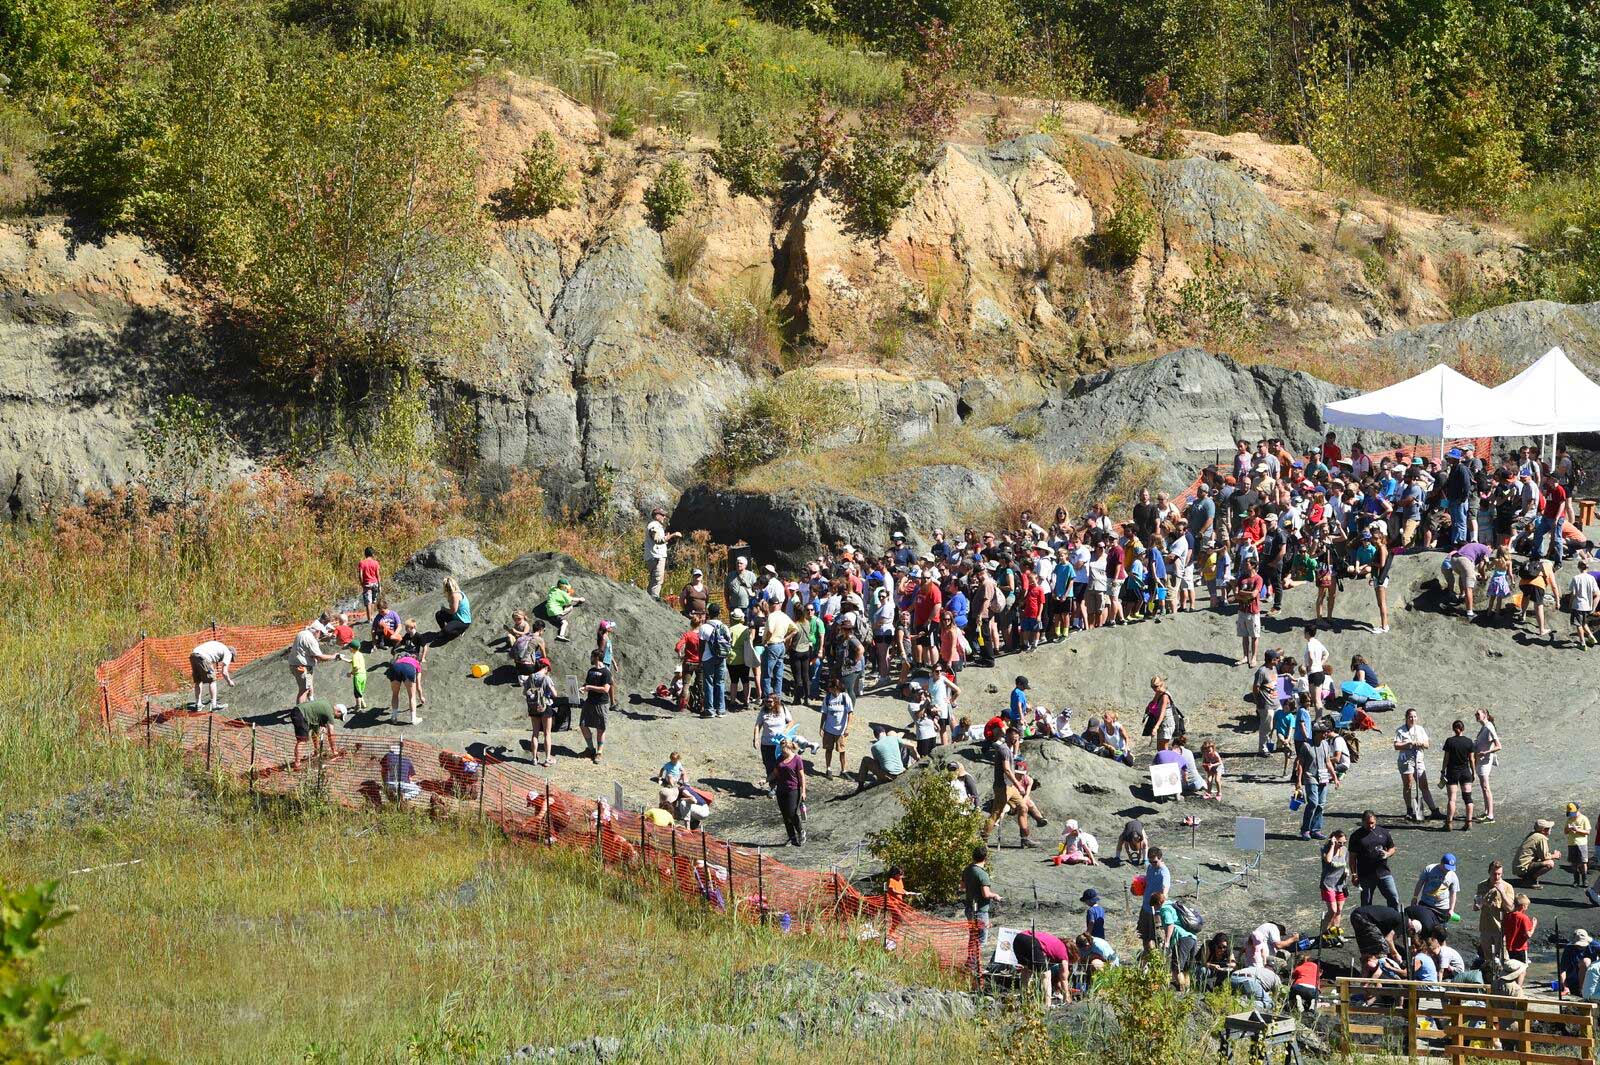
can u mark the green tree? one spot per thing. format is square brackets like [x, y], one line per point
[668, 195]
[877, 173]
[747, 152]
[933, 839]
[186, 448]
[539, 185]
[47, 47]
[36, 1013]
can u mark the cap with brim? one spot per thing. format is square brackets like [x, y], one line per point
[1448, 861]
[1022, 682]
[697, 573]
[1453, 453]
[769, 568]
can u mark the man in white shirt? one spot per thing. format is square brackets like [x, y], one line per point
[1410, 740]
[1585, 594]
[204, 662]
[772, 590]
[656, 539]
[303, 658]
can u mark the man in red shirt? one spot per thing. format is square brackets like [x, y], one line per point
[1552, 515]
[1248, 622]
[1330, 451]
[925, 618]
[367, 572]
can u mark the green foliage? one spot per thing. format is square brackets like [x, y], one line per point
[539, 185]
[1212, 309]
[624, 121]
[1159, 114]
[788, 416]
[877, 174]
[322, 194]
[1122, 236]
[669, 195]
[933, 839]
[747, 154]
[1153, 1021]
[35, 1013]
[187, 449]
[1563, 260]
[47, 47]
[1471, 151]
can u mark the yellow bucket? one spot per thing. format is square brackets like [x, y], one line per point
[480, 670]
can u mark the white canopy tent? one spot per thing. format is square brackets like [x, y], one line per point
[1551, 396]
[1439, 404]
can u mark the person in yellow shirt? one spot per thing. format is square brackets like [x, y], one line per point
[1577, 843]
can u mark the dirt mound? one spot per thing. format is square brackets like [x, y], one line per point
[461, 705]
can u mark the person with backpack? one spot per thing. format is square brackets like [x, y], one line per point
[1178, 942]
[716, 645]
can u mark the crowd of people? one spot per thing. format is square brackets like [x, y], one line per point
[908, 622]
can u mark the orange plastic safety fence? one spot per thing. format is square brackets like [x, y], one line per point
[741, 882]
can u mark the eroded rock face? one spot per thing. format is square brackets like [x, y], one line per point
[1518, 333]
[88, 334]
[791, 525]
[1181, 412]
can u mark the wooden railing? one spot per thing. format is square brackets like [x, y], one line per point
[1461, 1021]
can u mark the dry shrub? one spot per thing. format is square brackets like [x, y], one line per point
[1036, 485]
[1485, 367]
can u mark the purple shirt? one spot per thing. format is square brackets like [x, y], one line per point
[1473, 552]
[786, 776]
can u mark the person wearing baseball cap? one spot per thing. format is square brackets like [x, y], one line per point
[311, 720]
[1534, 857]
[656, 539]
[1094, 919]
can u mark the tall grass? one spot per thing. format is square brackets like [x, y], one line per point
[669, 59]
[252, 936]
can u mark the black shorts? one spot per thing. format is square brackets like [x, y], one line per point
[1460, 778]
[882, 638]
[302, 730]
[404, 672]
[739, 674]
[925, 747]
[593, 716]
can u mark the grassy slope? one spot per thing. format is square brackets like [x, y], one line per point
[254, 936]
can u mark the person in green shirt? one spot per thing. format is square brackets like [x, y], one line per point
[1177, 941]
[311, 719]
[803, 654]
[980, 895]
[560, 603]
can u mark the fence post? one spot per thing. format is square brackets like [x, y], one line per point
[549, 821]
[835, 877]
[733, 896]
[483, 782]
[1411, 1022]
[213, 628]
[147, 738]
[761, 887]
[144, 653]
[884, 942]
[644, 844]
[211, 724]
[105, 707]
[705, 865]
[252, 757]
[597, 849]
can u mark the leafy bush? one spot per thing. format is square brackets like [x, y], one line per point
[624, 121]
[788, 416]
[748, 152]
[1125, 232]
[1157, 134]
[539, 185]
[1471, 151]
[933, 839]
[186, 448]
[877, 175]
[34, 1013]
[669, 195]
[1563, 261]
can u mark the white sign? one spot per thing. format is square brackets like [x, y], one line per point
[616, 795]
[1003, 954]
[1250, 833]
[1166, 779]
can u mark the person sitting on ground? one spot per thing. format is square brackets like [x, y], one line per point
[886, 759]
[685, 805]
[455, 617]
[1216, 961]
[312, 720]
[1077, 846]
[398, 772]
[560, 603]
[385, 626]
[1534, 857]
[962, 785]
[205, 662]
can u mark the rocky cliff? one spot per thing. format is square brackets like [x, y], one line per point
[609, 351]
